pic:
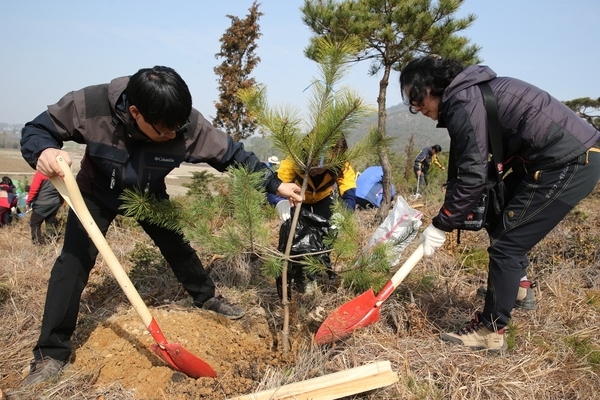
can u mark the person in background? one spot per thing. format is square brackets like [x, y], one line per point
[273, 162]
[8, 201]
[137, 129]
[281, 204]
[44, 201]
[322, 183]
[369, 188]
[7, 184]
[549, 164]
[319, 196]
[426, 157]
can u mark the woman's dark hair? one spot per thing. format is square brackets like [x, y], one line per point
[433, 73]
[437, 148]
[161, 96]
[7, 181]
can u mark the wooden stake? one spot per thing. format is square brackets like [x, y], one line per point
[332, 386]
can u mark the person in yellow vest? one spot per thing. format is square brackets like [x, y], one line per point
[318, 199]
[321, 184]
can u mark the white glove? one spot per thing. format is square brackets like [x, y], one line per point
[283, 209]
[336, 220]
[432, 239]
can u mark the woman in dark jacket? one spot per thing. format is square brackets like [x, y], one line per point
[549, 165]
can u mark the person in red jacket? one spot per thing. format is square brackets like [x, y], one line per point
[8, 200]
[44, 201]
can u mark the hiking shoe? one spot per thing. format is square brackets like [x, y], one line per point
[219, 305]
[477, 336]
[43, 369]
[525, 296]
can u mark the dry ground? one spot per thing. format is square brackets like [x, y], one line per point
[555, 350]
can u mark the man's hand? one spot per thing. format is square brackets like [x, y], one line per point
[47, 164]
[432, 239]
[290, 191]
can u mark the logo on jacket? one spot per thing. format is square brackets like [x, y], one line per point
[163, 159]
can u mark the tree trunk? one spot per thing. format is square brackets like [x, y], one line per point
[385, 206]
[285, 333]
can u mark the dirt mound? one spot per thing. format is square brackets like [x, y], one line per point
[239, 352]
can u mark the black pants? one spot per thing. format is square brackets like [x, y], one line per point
[540, 201]
[35, 223]
[72, 269]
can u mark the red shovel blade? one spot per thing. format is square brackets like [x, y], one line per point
[357, 313]
[182, 360]
[178, 357]
[363, 310]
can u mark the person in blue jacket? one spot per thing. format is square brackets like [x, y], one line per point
[369, 188]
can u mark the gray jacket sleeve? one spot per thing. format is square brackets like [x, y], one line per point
[215, 147]
[51, 128]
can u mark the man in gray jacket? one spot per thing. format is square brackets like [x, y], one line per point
[136, 129]
[549, 165]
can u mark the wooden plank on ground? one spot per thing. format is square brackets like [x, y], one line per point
[332, 386]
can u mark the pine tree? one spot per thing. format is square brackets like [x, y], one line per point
[238, 46]
[587, 108]
[332, 113]
[390, 33]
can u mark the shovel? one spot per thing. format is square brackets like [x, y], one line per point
[415, 196]
[363, 310]
[173, 353]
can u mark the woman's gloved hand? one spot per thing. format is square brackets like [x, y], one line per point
[432, 239]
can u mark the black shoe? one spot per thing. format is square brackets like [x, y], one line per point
[41, 370]
[219, 305]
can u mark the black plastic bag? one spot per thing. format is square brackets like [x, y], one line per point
[311, 229]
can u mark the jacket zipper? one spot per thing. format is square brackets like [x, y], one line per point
[113, 178]
[147, 188]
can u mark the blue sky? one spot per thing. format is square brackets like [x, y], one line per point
[51, 47]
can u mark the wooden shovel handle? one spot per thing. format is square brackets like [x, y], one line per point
[70, 192]
[399, 276]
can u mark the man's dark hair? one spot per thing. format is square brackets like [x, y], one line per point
[437, 148]
[161, 96]
[434, 73]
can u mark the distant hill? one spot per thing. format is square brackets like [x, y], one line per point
[401, 124]
[11, 128]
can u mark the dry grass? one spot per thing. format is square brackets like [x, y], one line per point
[554, 350]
